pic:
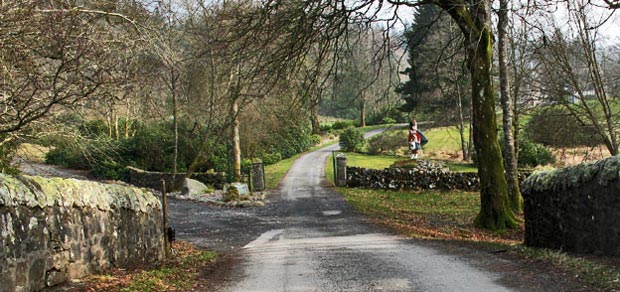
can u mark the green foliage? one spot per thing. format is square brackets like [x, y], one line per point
[339, 125]
[7, 152]
[388, 120]
[387, 116]
[286, 143]
[434, 62]
[271, 158]
[532, 154]
[441, 210]
[555, 126]
[388, 142]
[315, 139]
[352, 140]
[325, 127]
[150, 148]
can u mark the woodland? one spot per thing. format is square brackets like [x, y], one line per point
[186, 86]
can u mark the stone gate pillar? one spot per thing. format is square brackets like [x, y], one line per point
[341, 170]
[258, 177]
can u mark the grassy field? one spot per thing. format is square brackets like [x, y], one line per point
[446, 139]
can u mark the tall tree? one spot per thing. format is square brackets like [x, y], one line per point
[437, 80]
[474, 20]
[510, 158]
[571, 64]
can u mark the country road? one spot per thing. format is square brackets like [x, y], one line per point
[310, 239]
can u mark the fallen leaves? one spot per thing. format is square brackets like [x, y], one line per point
[178, 273]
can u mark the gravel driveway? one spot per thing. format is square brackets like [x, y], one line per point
[309, 239]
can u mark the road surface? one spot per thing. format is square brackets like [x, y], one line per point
[309, 239]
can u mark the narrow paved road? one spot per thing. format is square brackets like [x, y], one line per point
[309, 239]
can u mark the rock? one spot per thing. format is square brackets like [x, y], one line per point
[259, 204]
[193, 187]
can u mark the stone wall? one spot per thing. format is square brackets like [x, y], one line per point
[575, 208]
[423, 175]
[152, 180]
[410, 179]
[53, 230]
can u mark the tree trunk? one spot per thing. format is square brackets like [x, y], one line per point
[175, 130]
[116, 131]
[510, 160]
[464, 144]
[127, 121]
[495, 211]
[314, 115]
[236, 141]
[363, 111]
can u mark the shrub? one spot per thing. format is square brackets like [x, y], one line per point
[149, 148]
[386, 143]
[351, 140]
[339, 125]
[7, 152]
[325, 127]
[286, 143]
[554, 126]
[388, 120]
[315, 139]
[387, 116]
[271, 158]
[532, 154]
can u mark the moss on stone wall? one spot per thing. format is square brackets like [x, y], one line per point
[573, 177]
[53, 230]
[34, 191]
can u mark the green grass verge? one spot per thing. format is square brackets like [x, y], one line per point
[384, 161]
[370, 161]
[444, 139]
[444, 210]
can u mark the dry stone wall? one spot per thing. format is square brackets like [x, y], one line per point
[410, 179]
[424, 175]
[152, 180]
[575, 208]
[53, 230]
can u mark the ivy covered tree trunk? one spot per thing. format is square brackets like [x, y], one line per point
[474, 20]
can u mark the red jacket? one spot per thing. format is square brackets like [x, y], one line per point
[414, 136]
